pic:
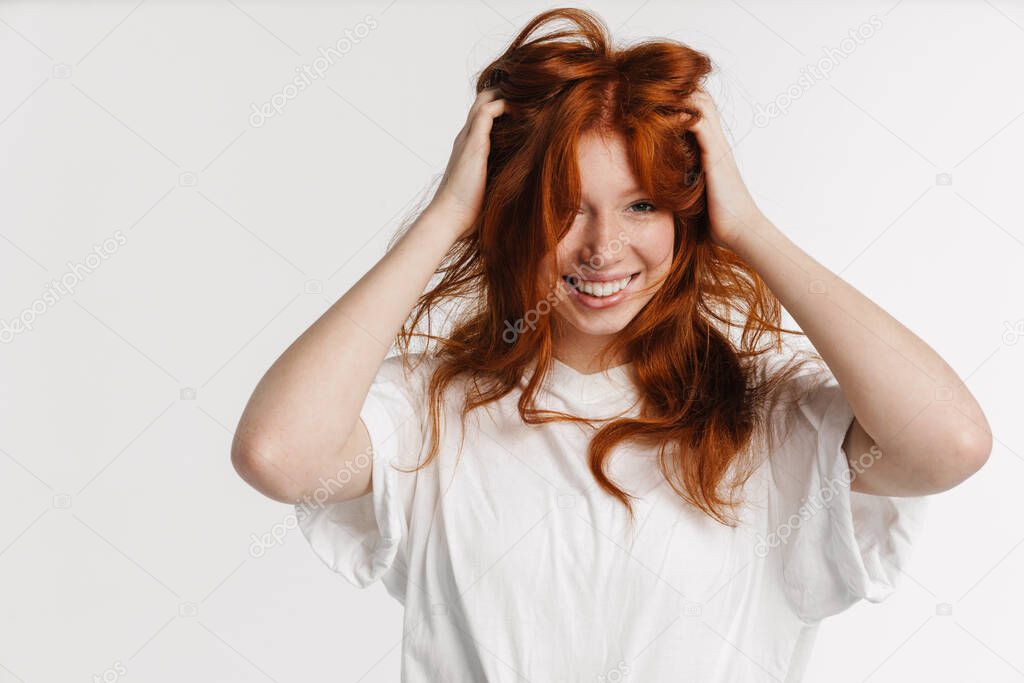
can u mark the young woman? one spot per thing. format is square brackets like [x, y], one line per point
[589, 477]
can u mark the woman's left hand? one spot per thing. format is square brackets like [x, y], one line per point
[731, 209]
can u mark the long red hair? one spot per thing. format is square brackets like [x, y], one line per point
[703, 399]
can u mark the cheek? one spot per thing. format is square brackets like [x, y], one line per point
[657, 244]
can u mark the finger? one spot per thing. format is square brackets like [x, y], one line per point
[483, 97]
[485, 116]
[496, 107]
[491, 110]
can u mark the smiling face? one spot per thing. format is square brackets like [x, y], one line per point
[619, 245]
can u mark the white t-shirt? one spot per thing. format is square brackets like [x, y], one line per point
[520, 567]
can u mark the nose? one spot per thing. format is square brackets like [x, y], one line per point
[600, 234]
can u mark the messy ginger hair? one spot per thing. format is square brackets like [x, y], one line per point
[703, 399]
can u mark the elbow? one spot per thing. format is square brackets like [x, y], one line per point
[254, 461]
[975, 447]
[969, 454]
[973, 442]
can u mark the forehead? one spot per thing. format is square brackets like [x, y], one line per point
[603, 160]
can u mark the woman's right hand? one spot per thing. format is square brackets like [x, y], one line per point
[461, 192]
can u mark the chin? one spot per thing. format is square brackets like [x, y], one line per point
[597, 325]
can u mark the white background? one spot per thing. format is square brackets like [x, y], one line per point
[125, 534]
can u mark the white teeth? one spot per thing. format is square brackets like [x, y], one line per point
[599, 289]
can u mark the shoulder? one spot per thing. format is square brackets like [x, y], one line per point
[411, 364]
[797, 369]
[412, 373]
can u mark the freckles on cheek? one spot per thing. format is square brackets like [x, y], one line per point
[654, 245]
[667, 239]
[657, 249]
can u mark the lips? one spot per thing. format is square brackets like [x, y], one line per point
[600, 291]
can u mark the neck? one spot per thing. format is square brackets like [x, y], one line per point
[582, 353]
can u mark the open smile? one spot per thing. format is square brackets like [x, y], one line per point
[603, 291]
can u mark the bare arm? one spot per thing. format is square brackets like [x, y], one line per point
[302, 422]
[908, 403]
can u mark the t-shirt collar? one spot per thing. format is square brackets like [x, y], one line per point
[612, 387]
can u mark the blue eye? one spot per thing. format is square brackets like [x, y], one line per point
[648, 204]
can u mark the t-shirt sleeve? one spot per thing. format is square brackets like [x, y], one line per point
[365, 539]
[837, 546]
